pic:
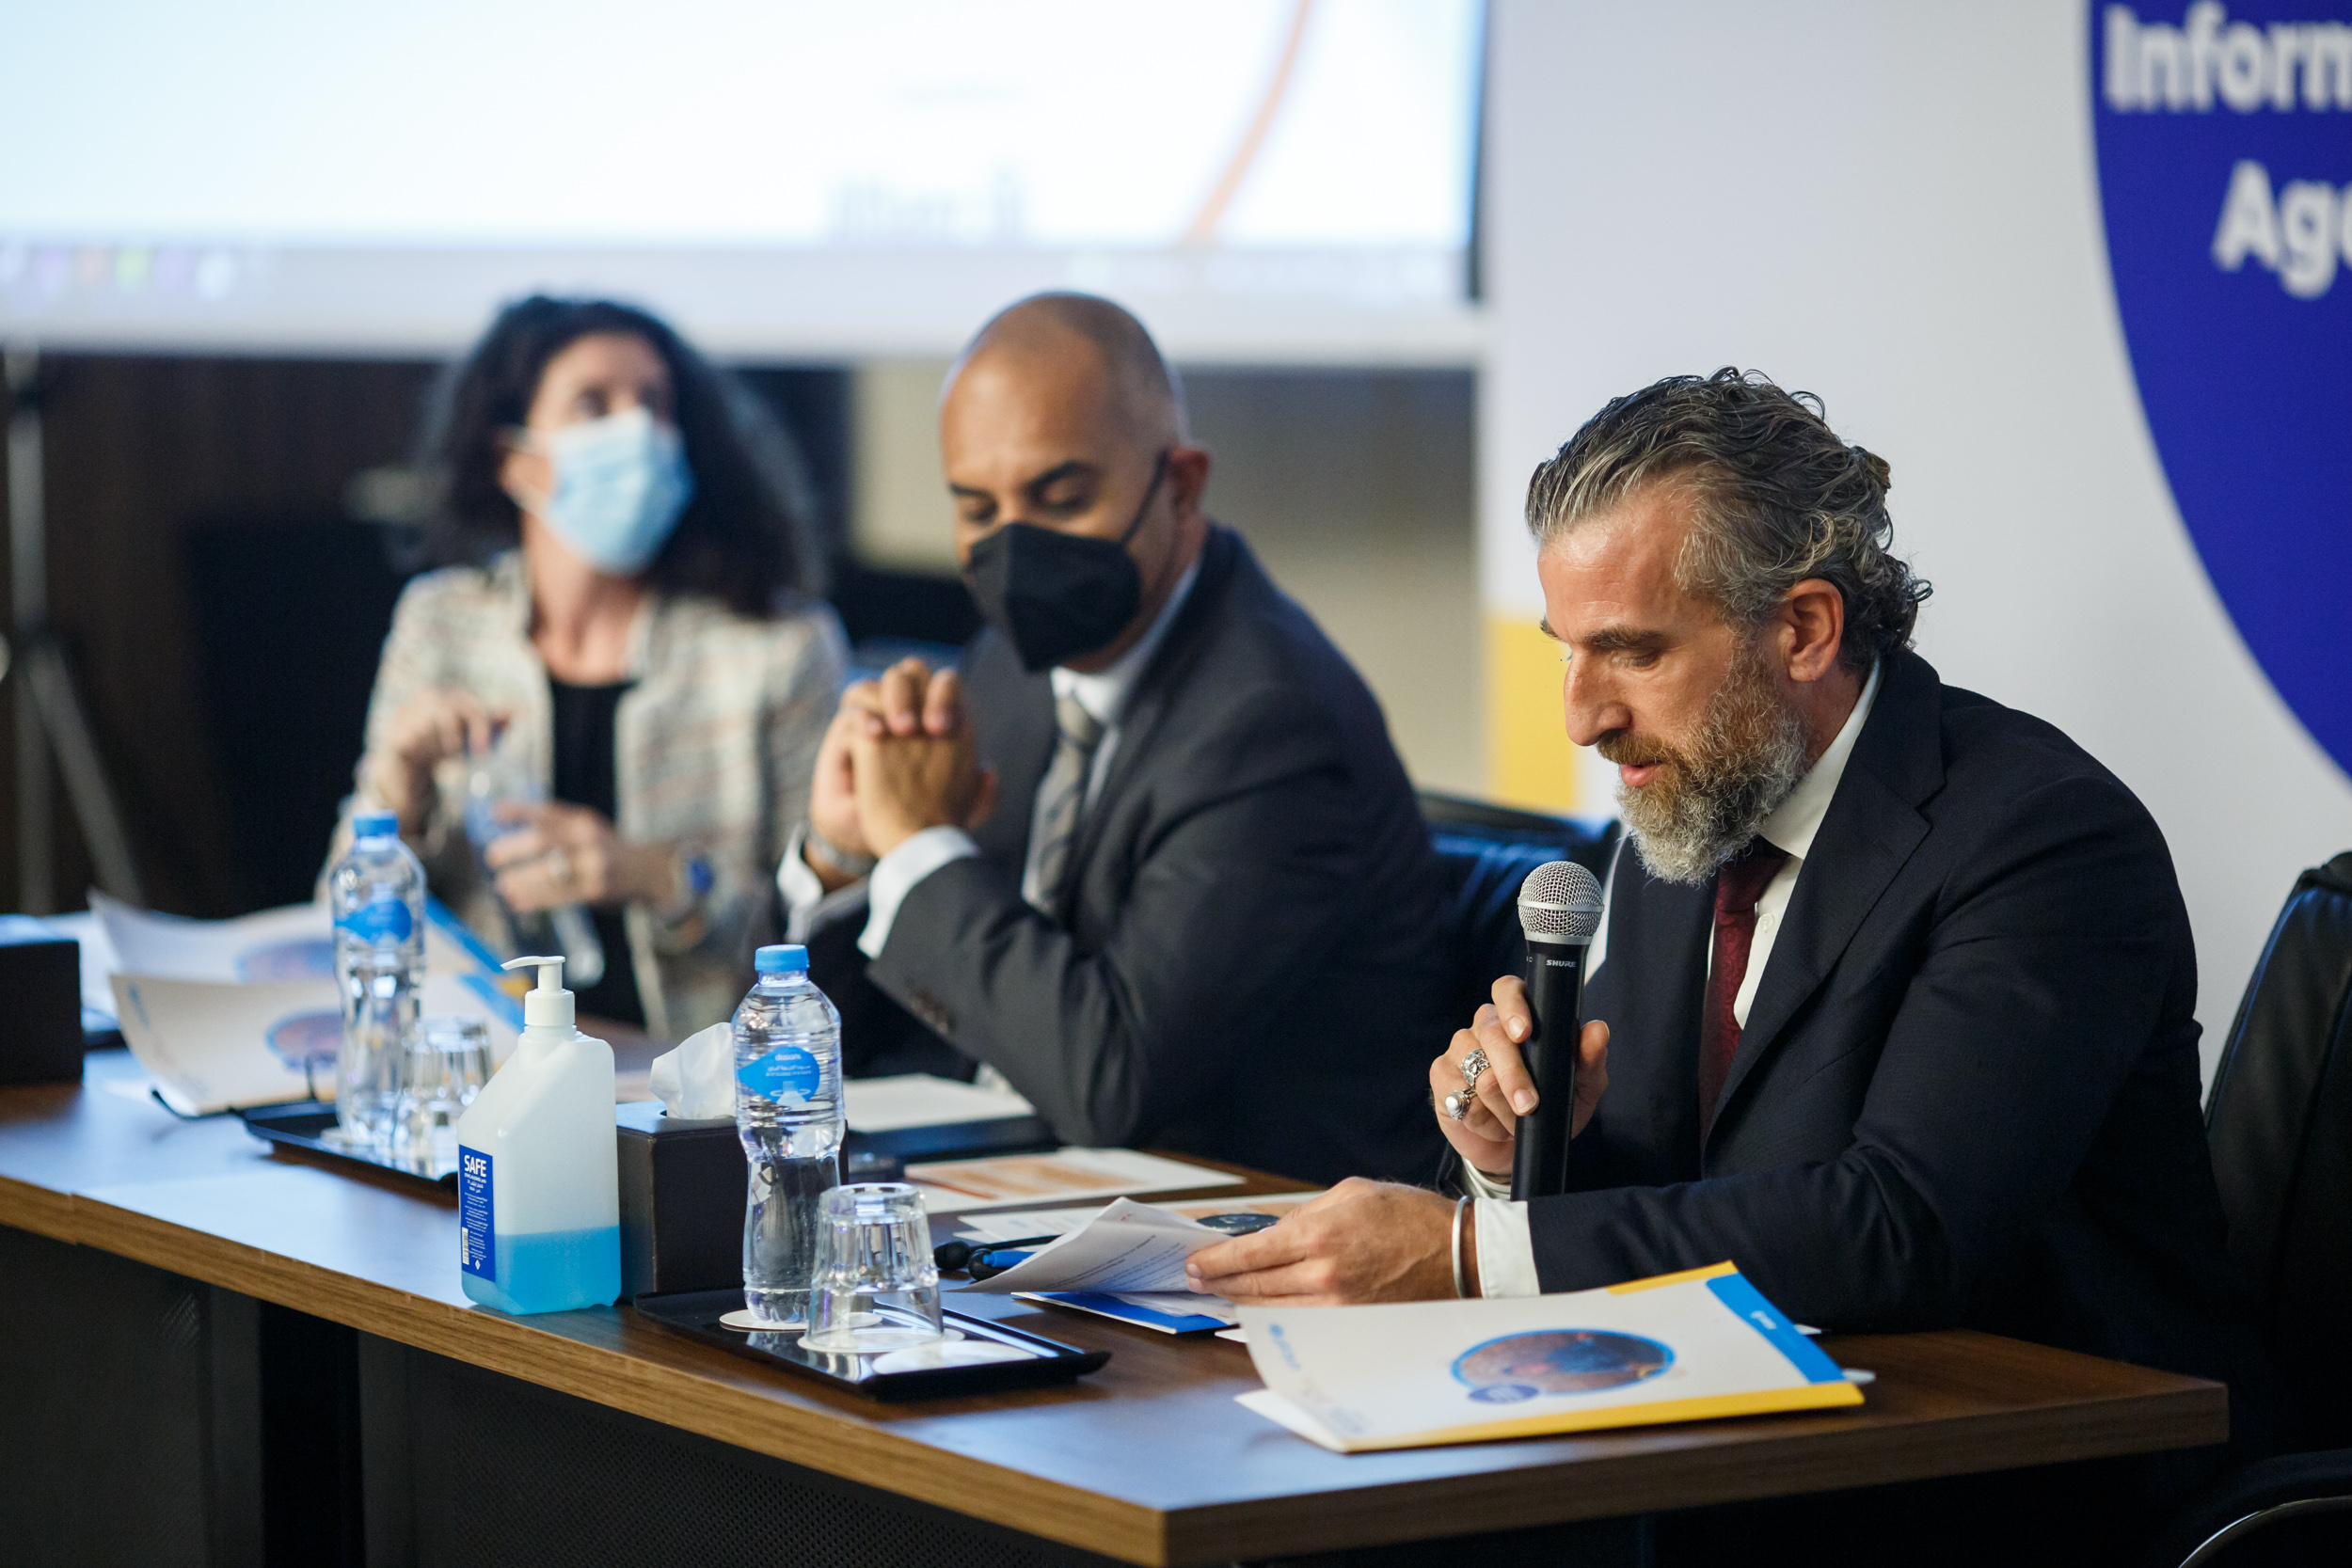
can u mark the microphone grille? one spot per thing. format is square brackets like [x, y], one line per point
[1560, 902]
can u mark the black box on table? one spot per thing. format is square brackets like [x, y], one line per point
[41, 1004]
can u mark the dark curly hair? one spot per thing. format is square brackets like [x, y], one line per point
[745, 538]
[1780, 500]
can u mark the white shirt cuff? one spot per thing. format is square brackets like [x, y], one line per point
[1506, 1252]
[1477, 1183]
[806, 904]
[894, 875]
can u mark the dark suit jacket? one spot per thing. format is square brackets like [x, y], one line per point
[1968, 1090]
[1253, 966]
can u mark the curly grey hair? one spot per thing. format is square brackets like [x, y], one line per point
[1780, 499]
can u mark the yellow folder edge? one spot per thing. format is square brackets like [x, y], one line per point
[1812, 1396]
[1712, 1270]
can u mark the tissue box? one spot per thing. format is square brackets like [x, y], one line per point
[683, 1184]
[682, 1191]
[40, 1028]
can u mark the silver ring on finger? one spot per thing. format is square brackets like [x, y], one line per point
[559, 867]
[1458, 1103]
[1473, 1067]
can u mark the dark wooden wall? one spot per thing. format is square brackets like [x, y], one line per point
[140, 453]
[199, 554]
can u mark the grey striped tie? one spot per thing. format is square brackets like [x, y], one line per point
[1062, 800]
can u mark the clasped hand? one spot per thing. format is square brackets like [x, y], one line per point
[898, 757]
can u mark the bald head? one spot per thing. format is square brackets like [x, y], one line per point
[1062, 415]
[1078, 344]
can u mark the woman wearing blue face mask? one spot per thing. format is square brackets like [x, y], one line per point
[624, 627]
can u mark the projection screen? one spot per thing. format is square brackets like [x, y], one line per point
[1267, 180]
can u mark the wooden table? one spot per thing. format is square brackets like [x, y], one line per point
[1148, 1461]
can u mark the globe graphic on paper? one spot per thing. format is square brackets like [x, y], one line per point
[306, 1038]
[1558, 1361]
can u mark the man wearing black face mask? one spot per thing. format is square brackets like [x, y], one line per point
[1149, 854]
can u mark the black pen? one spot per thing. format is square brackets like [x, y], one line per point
[951, 1255]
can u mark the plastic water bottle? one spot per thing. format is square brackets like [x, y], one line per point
[788, 1113]
[377, 890]
[496, 779]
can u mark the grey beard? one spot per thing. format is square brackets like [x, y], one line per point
[1686, 836]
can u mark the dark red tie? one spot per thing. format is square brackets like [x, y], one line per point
[1736, 889]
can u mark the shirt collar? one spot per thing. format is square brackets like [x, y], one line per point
[1795, 820]
[1105, 691]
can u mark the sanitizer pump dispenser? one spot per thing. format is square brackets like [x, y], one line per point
[538, 1188]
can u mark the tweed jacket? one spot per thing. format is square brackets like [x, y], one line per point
[715, 744]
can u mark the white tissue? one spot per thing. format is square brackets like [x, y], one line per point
[696, 1082]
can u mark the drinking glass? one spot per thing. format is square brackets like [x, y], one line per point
[875, 1288]
[447, 1062]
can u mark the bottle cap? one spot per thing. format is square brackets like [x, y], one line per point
[781, 958]
[375, 824]
[546, 1004]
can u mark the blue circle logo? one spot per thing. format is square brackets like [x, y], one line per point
[1519, 1367]
[2224, 138]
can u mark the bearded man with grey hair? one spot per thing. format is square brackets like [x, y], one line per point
[1893, 1000]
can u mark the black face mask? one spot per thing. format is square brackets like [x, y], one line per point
[1058, 596]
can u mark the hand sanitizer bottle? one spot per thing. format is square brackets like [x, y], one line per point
[538, 1183]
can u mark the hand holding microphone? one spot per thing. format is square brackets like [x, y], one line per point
[1501, 1057]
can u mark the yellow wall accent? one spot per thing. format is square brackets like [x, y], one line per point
[1529, 762]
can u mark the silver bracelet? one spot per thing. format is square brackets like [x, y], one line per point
[840, 861]
[1461, 1284]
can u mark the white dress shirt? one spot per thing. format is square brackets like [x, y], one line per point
[1506, 1252]
[1102, 694]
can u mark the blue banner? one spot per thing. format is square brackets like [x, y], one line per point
[2224, 140]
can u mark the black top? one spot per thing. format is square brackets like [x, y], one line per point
[585, 776]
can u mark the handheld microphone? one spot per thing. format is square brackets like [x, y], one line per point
[1559, 911]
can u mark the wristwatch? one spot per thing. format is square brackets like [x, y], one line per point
[833, 858]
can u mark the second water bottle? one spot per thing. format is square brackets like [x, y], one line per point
[788, 1113]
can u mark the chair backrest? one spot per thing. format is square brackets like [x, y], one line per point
[1487, 851]
[2280, 1124]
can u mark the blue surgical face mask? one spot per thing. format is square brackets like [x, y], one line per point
[621, 482]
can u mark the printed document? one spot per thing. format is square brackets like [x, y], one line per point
[919, 1099]
[1683, 1347]
[1128, 1247]
[1066, 1175]
[215, 1047]
[1013, 1225]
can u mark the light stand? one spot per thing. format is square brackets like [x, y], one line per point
[49, 715]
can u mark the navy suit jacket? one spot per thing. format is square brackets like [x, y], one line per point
[1967, 1091]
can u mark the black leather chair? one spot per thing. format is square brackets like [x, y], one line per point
[2280, 1124]
[1487, 851]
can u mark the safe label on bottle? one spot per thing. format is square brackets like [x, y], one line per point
[477, 1229]
[787, 1073]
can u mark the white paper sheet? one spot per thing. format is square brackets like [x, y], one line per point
[919, 1099]
[218, 1046]
[1066, 1175]
[1128, 1247]
[1685, 1347]
[293, 943]
[1013, 1224]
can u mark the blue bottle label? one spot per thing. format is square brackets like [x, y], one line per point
[477, 1225]
[787, 1072]
[381, 921]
